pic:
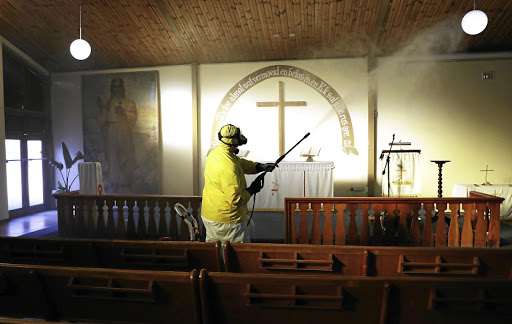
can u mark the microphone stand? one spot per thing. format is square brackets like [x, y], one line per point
[387, 163]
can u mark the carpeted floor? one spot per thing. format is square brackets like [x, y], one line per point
[50, 232]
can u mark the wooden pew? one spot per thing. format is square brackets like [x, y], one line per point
[255, 298]
[12, 320]
[154, 255]
[368, 261]
[379, 221]
[144, 255]
[424, 301]
[261, 298]
[99, 295]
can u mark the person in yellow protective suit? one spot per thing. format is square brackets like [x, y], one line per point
[225, 194]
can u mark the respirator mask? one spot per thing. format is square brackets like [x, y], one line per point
[238, 136]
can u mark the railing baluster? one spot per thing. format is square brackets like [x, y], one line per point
[109, 210]
[162, 222]
[152, 232]
[141, 224]
[100, 223]
[315, 226]
[467, 228]
[352, 225]
[121, 227]
[441, 238]
[303, 227]
[340, 225]
[481, 225]
[453, 232]
[402, 230]
[130, 226]
[428, 230]
[378, 231]
[389, 224]
[79, 229]
[365, 225]
[414, 233]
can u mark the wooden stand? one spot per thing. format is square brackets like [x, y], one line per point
[440, 176]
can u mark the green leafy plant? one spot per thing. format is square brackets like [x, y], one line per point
[68, 162]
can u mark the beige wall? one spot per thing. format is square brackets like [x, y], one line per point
[176, 122]
[260, 124]
[445, 109]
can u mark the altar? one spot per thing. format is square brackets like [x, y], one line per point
[293, 179]
[500, 190]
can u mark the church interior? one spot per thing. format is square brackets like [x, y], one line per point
[391, 201]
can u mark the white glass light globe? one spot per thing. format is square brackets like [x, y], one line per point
[80, 49]
[474, 22]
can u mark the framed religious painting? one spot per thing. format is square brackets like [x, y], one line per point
[121, 130]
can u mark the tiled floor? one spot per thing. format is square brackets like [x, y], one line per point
[24, 225]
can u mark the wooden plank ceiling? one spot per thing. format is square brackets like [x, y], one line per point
[137, 33]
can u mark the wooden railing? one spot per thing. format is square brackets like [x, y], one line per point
[143, 217]
[394, 221]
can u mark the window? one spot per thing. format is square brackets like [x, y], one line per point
[28, 140]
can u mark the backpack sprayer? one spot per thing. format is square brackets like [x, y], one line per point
[193, 228]
[261, 178]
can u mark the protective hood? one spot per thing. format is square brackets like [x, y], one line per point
[231, 135]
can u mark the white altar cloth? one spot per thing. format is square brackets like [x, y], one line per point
[294, 179]
[91, 181]
[500, 190]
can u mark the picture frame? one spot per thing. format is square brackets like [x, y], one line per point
[121, 130]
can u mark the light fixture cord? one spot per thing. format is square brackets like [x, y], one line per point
[474, 4]
[80, 21]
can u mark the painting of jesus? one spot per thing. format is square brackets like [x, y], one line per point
[121, 126]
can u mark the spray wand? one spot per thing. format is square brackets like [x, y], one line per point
[261, 177]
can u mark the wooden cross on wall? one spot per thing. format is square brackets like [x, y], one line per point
[281, 104]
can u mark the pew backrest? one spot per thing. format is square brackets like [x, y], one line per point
[253, 298]
[99, 295]
[123, 254]
[368, 261]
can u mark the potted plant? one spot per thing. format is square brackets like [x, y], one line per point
[66, 185]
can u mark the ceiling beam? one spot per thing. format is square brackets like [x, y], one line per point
[381, 15]
[175, 31]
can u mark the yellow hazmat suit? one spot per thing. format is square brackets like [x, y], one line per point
[224, 195]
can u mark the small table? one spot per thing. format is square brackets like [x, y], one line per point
[440, 176]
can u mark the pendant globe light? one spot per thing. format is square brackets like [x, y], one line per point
[474, 22]
[80, 49]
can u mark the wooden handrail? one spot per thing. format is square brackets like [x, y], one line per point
[124, 216]
[324, 221]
